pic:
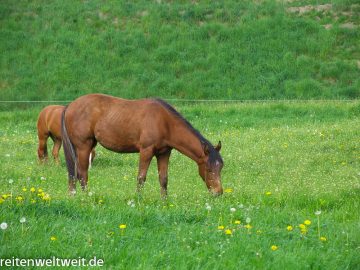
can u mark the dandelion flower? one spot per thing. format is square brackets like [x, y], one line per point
[228, 231]
[302, 226]
[237, 222]
[40, 190]
[268, 193]
[307, 222]
[220, 227]
[318, 212]
[22, 220]
[46, 197]
[122, 226]
[248, 220]
[53, 238]
[19, 198]
[289, 228]
[32, 189]
[11, 181]
[3, 226]
[323, 239]
[24, 189]
[274, 248]
[248, 226]
[1, 200]
[232, 209]
[228, 190]
[208, 207]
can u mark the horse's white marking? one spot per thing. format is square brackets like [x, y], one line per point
[90, 161]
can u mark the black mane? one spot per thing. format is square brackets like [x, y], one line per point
[213, 154]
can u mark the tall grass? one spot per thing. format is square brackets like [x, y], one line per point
[229, 50]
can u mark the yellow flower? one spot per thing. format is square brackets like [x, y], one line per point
[248, 226]
[32, 189]
[53, 238]
[268, 193]
[33, 201]
[228, 231]
[100, 201]
[221, 227]
[228, 190]
[122, 226]
[323, 239]
[19, 198]
[259, 231]
[46, 197]
[289, 228]
[237, 222]
[273, 247]
[303, 231]
[24, 189]
[40, 190]
[1, 200]
[5, 196]
[307, 222]
[302, 226]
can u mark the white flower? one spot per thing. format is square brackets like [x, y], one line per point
[42, 178]
[3, 226]
[90, 193]
[241, 206]
[207, 206]
[131, 203]
[248, 220]
[318, 212]
[232, 209]
[22, 220]
[11, 181]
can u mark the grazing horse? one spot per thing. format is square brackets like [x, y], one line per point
[151, 127]
[49, 125]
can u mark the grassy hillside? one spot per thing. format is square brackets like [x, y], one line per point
[283, 163]
[58, 50]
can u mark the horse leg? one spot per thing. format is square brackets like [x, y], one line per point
[42, 149]
[146, 155]
[163, 162]
[55, 151]
[83, 163]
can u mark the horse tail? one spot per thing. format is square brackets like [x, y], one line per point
[69, 151]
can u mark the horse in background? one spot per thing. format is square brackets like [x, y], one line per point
[49, 125]
[150, 127]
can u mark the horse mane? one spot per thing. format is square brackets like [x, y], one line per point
[213, 154]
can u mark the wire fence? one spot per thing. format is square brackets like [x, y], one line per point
[199, 100]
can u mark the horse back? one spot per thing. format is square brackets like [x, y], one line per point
[118, 124]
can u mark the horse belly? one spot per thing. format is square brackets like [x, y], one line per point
[117, 141]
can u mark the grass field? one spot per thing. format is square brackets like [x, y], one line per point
[284, 162]
[267, 49]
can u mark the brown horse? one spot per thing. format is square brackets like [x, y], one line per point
[49, 125]
[149, 126]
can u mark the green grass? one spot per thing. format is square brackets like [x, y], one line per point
[305, 154]
[53, 50]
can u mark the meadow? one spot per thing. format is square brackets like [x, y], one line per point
[291, 201]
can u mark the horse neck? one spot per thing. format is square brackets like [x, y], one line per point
[186, 142]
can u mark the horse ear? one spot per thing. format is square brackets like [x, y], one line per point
[205, 146]
[218, 147]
